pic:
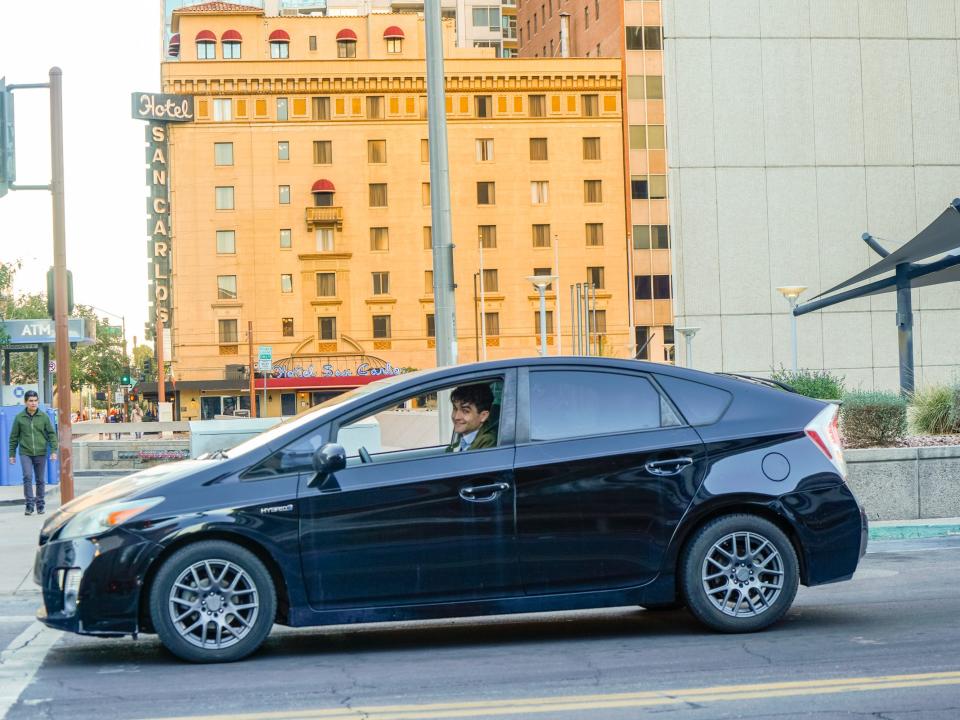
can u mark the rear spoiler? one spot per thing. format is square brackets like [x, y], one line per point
[762, 381]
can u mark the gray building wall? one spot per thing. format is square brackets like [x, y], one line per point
[793, 127]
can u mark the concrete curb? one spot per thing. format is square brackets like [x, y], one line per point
[908, 531]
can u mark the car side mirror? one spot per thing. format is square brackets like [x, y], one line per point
[329, 458]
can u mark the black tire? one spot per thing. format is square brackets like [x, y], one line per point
[752, 589]
[213, 590]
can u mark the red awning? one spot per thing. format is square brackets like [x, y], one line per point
[323, 185]
[231, 36]
[206, 36]
[174, 48]
[279, 36]
[393, 33]
[346, 35]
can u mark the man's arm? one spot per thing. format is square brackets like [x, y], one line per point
[14, 437]
[51, 437]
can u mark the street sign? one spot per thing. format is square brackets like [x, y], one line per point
[265, 358]
[118, 397]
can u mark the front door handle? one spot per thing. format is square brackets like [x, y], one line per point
[483, 493]
[665, 468]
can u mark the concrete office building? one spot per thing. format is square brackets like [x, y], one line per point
[794, 127]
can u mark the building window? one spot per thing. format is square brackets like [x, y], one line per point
[427, 237]
[381, 326]
[394, 46]
[431, 326]
[600, 322]
[491, 321]
[378, 194]
[651, 38]
[324, 239]
[592, 191]
[487, 17]
[591, 148]
[375, 107]
[491, 281]
[284, 192]
[486, 193]
[327, 328]
[226, 242]
[661, 287]
[647, 137]
[379, 238]
[635, 87]
[286, 283]
[312, 43]
[376, 151]
[483, 105]
[279, 50]
[537, 105]
[634, 37]
[424, 150]
[206, 50]
[646, 237]
[428, 282]
[320, 108]
[286, 239]
[638, 137]
[642, 287]
[538, 148]
[541, 236]
[223, 153]
[539, 192]
[283, 150]
[346, 49]
[222, 109]
[322, 152]
[641, 338]
[594, 234]
[484, 150]
[654, 87]
[590, 105]
[425, 194]
[224, 198]
[227, 331]
[326, 284]
[283, 109]
[548, 316]
[226, 287]
[595, 277]
[544, 271]
[487, 235]
[658, 187]
[381, 283]
[287, 325]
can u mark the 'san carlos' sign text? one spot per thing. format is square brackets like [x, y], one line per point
[160, 110]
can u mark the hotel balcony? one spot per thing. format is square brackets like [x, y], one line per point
[324, 216]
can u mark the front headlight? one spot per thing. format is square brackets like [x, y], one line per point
[101, 518]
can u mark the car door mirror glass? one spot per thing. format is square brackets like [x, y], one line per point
[329, 458]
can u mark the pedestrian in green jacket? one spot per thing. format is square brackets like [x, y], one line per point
[32, 432]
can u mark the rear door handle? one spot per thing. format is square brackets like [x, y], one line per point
[665, 468]
[483, 493]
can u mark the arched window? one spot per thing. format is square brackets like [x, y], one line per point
[323, 193]
[394, 37]
[206, 45]
[346, 43]
[231, 45]
[279, 45]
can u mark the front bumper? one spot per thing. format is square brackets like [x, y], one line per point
[113, 568]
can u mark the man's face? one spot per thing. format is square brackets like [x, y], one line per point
[32, 404]
[466, 417]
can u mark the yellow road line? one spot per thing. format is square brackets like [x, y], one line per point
[569, 703]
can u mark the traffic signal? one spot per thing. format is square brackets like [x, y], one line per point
[131, 397]
[125, 377]
[148, 365]
[8, 164]
[51, 299]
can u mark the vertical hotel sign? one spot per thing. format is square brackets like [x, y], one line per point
[159, 111]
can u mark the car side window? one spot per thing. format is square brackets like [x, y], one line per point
[700, 404]
[578, 403]
[294, 457]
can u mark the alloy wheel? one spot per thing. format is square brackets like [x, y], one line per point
[213, 604]
[742, 574]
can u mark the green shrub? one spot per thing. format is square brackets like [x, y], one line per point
[821, 384]
[955, 408]
[932, 410]
[869, 419]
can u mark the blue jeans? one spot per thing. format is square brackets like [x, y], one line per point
[34, 466]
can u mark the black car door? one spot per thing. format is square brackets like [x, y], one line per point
[604, 469]
[414, 525]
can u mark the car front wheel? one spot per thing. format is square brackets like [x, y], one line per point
[740, 574]
[213, 601]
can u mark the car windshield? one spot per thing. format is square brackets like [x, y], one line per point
[310, 415]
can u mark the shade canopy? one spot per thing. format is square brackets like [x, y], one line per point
[279, 36]
[346, 35]
[206, 36]
[323, 185]
[393, 33]
[173, 49]
[231, 36]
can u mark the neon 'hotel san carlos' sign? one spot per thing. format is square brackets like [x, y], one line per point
[159, 110]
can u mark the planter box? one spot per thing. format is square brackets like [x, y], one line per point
[906, 483]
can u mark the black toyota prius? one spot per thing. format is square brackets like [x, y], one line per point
[572, 483]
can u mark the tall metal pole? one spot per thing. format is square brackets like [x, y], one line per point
[793, 332]
[558, 327]
[579, 320]
[483, 309]
[60, 286]
[161, 375]
[542, 289]
[905, 328]
[445, 314]
[253, 373]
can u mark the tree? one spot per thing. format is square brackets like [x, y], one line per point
[140, 354]
[100, 364]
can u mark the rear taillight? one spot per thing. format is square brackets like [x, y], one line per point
[824, 432]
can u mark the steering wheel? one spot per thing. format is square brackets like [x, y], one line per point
[364, 455]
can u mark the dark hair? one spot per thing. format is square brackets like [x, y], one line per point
[30, 394]
[478, 395]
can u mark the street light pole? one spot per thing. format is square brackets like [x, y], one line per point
[540, 282]
[688, 333]
[792, 294]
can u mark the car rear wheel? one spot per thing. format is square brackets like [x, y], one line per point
[213, 601]
[739, 574]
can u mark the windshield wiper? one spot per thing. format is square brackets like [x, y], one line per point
[214, 455]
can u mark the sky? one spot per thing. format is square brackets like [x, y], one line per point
[107, 49]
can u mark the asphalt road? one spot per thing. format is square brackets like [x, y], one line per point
[885, 645]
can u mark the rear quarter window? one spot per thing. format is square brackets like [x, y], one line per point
[700, 404]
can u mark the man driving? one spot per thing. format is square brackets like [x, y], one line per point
[471, 410]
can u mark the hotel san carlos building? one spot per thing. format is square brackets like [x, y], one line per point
[300, 202]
